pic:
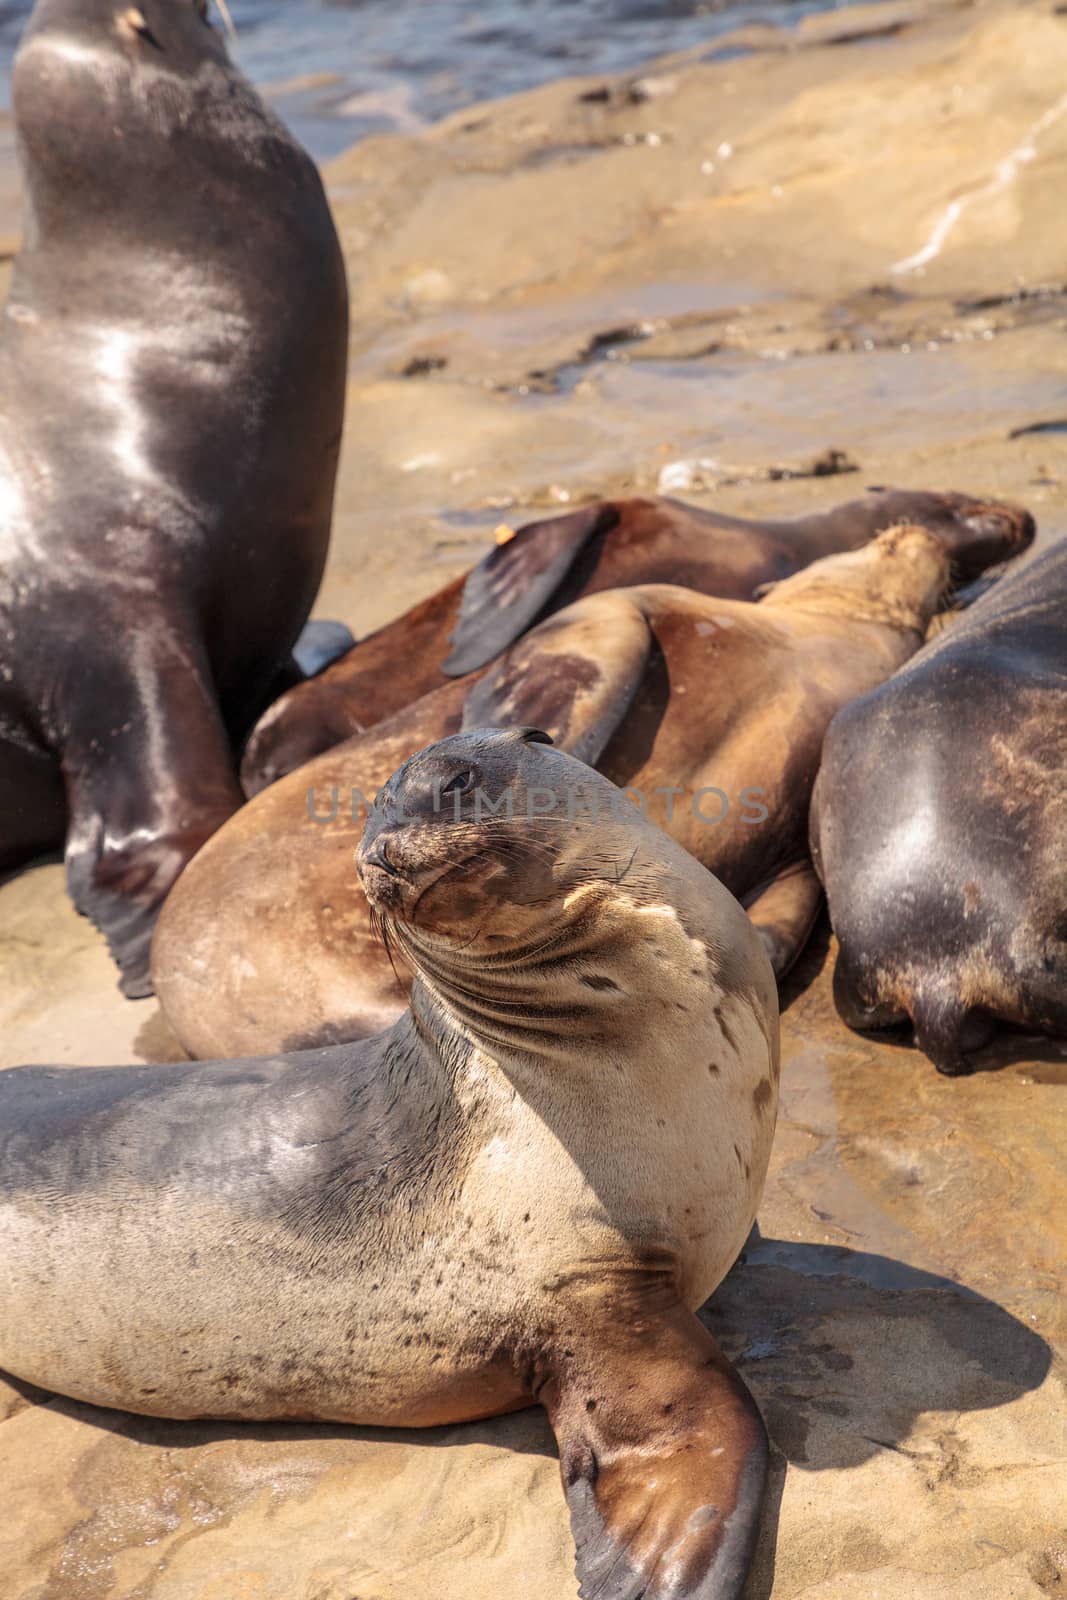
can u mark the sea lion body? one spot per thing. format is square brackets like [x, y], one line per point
[661, 688]
[520, 1192]
[939, 827]
[172, 364]
[712, 713]
[611, 544]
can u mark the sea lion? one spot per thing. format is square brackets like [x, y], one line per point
[724, 702]
[172, 378]
[520, 1193]
[939, 827]
[609, 545]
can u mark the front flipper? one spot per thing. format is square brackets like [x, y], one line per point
[149, 777]
[575, 676]
[508, 590]
[784, 912]
[663, 1456]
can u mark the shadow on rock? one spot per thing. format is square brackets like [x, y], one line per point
[845, 1350]
[809, 966]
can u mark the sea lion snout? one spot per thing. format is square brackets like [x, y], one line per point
[979, 534]
[453, 805]
[158, 33]
[396, 864]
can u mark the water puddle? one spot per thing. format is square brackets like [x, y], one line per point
[508, 344]
[785, 406]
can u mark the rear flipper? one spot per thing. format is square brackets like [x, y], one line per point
[575, 676]
[149, 777]
[784, 912]
[663, 1456]
[508, 590]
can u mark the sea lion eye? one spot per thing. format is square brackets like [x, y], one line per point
[461, 783]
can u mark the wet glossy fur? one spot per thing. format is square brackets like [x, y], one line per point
[172, 362]
[939, 826]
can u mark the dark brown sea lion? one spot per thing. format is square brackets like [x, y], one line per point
[519, 1194]
[612, 544]
[172, 371]
[723, 702]
[939, 827]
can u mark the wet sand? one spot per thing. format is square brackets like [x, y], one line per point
[684, 278]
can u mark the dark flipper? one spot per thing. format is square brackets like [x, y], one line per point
[508, 590]
[149, 777]
[947, 1030]
[575, 676]
[784, 912]
[663, 1456]
[320, 645]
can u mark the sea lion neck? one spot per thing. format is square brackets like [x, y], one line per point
[898, 581]
[584, 978]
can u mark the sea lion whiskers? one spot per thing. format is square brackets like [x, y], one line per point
[383, 930]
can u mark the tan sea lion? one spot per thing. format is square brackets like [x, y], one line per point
[609, 545]
[520, 1193]
[172, 388]
[725, 702]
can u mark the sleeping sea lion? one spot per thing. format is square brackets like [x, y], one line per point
[172, 379]
[519, 1194]
[939, 827]
[611, 544]
[712, 710]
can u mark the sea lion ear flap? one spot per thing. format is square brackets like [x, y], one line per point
[535, 736]
[575, 676]
[765, 589]
[508, 590]
[663, 1456]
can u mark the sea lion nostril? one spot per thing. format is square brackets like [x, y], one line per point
[378, 856]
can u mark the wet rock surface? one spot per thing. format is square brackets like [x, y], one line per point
[590, 289]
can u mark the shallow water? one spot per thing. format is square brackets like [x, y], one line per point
[339, 71]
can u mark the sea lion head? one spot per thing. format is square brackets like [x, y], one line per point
[536, 901]
[977, 534]
[105, 43]
[101, 90]
[476, 835]
[899, 579]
